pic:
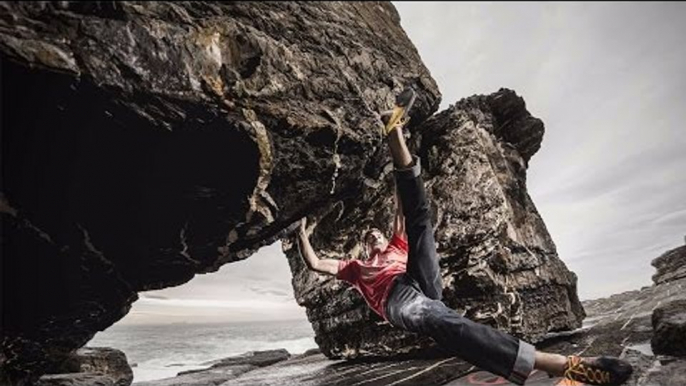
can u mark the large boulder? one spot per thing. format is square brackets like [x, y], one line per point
[497, 259]
[669, 328]
[670, 266]
[90, 366]
[144, 143]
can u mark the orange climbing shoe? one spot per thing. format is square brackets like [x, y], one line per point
[398, 117]
[596, 371]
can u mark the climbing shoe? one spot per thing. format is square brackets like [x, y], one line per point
[596, 371]
[399, 116]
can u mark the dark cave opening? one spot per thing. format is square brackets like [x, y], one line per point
[80, 166]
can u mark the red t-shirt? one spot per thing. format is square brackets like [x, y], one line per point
[373, 278]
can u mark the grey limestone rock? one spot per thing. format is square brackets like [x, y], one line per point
[671, 265]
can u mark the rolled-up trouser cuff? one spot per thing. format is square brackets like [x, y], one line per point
[524, 364]
[411, 172]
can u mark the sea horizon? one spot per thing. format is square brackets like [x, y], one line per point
[162, 350]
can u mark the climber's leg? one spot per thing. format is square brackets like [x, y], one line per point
[479, 344]
[422, 259]
[422, 262]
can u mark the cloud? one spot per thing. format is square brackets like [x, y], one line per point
[608, 82]
[672, 219]
[661, 167]
[146, 296]
[272, 292]
[258, 288]
[254, 303]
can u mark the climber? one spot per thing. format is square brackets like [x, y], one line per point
[400, 280]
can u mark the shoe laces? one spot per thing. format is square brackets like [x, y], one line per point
[577, 370]
[398, 125]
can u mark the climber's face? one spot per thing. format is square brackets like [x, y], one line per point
[375, 241]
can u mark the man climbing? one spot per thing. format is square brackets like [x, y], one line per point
[400, 280]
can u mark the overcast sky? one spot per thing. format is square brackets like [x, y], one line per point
[609, 82]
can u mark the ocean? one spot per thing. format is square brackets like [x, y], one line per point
[162, 351]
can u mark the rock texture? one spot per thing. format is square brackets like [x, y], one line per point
[669, 328]
[637, 325]
[223, 370]
[625, 320]
[498, 261]
[144, 143]
[315, 369]
[671, 265]
[91, 366]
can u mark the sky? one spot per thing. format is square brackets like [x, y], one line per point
[609, 82]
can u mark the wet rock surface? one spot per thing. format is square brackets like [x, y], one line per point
[313, 368]
[223, 370]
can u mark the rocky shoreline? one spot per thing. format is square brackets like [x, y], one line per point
[645, 327]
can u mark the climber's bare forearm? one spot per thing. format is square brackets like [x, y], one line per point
[326, 266]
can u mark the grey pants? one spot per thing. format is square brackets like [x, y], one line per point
[414, 302]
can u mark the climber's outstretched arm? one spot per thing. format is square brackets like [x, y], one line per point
[328, 266]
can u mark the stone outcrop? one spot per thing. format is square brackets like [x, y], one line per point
[501, 264]
[498, 261]
[223, 370]
[644, 326]
[669, 328]
[671, 265]
[144, 143]
[313, 368]
[88, 366]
